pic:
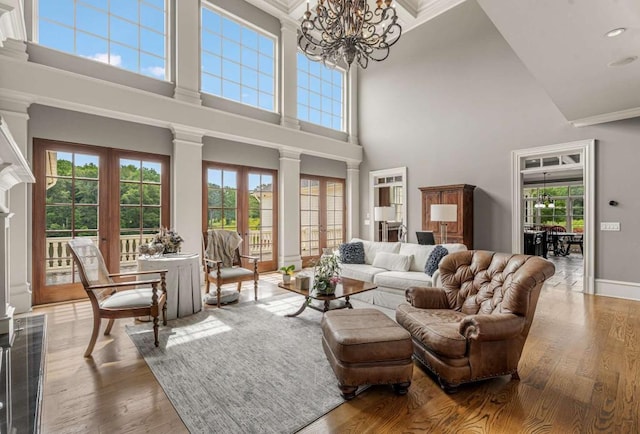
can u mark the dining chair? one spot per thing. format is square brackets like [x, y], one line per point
[113, 300]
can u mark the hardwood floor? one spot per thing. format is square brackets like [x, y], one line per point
[579, 370]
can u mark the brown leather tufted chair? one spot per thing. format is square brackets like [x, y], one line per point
[475, 326]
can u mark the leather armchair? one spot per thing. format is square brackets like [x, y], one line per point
[475, 326]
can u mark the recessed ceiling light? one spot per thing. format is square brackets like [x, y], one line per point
[623, 61]
[615, 32]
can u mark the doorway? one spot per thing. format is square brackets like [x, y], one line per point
[322, 216]
[243, 199]
[118, 198]
[553, 199]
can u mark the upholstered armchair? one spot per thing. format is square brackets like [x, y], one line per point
[475, 325]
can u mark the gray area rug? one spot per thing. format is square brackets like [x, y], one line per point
[244, 368]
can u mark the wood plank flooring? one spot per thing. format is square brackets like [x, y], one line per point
[579, 370]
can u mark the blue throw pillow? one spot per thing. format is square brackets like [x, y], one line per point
[434, 259]
[352, 253]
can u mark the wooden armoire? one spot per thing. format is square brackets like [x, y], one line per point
[460, 231]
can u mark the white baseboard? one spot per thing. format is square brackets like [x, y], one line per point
[617, 289]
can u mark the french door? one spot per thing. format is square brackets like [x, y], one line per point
[118, 198]
[322, 216]
[243, 199]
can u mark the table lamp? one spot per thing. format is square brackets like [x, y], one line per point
[443, 214]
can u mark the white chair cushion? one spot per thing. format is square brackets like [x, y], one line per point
[228, 273]
[371, 248]
[139, 297]
[360, 271]
[392, 261]
[402, 279]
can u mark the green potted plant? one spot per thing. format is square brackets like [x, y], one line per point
[287, 272]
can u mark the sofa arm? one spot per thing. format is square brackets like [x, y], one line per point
[492, 327]
[436, 282]
[427, 297]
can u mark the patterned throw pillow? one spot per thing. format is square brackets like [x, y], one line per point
[434, 259]
[352, 253]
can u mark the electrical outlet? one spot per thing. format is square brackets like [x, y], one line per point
[610, 226]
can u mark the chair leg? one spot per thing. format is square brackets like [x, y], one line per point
[109, 326]
[155, 330]
[218, 291]
[239, 287]
[255, 289]
[164, 313]
[94, 335]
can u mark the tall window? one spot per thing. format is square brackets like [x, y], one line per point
[320, 94]
[568, 210]
[130, 34]
[238, 62]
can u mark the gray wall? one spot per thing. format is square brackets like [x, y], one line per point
[230, 152]
[453, 100]
[69, 126]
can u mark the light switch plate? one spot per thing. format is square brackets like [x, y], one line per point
[610, 226]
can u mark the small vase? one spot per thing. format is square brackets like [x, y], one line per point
[286, 279]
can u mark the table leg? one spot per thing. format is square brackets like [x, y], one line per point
[302, 308]
[327, 305]
[347, 303]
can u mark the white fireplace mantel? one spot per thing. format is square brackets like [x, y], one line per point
[14, 169]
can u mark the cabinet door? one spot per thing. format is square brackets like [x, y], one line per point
[454, 197]
[429, 198]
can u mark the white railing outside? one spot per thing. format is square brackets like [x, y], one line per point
[58, 262]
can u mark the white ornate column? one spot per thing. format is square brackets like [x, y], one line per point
[14, 172]
[187, 49]
[186, 191]
[288, 74]
[352, 104]
[289, 209]
[14, 114]
[353, 199]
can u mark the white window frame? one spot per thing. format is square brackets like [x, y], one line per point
[242, 22]
[167, 40]
[343, 103]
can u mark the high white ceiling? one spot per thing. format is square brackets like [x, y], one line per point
[561, 42]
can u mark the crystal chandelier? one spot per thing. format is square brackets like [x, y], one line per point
[349, 30]
[544, 200]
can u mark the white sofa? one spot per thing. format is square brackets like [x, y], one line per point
[392, 284]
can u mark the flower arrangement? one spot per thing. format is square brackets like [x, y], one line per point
[327, 274]
[169, 239]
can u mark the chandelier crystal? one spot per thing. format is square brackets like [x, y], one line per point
[349, 30]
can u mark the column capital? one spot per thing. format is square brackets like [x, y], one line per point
[14, 48]
[288, 25]
[353, 165]
[288, 154]
[187, 135]
[15, 105]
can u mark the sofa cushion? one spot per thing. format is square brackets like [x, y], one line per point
[392, 261]
[363, 272]
[419, 252]
[371, 248]
[402, 279]
[352, 253]
[437, 329]
[435, 257]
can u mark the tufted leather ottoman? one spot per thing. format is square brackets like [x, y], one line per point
[364, 346]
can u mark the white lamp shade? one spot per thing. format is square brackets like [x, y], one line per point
[384, 213]
[444, 213]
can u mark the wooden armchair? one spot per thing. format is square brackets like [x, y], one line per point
[223, 262]
[115, 300]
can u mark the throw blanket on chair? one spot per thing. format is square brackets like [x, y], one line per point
[222, 245]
